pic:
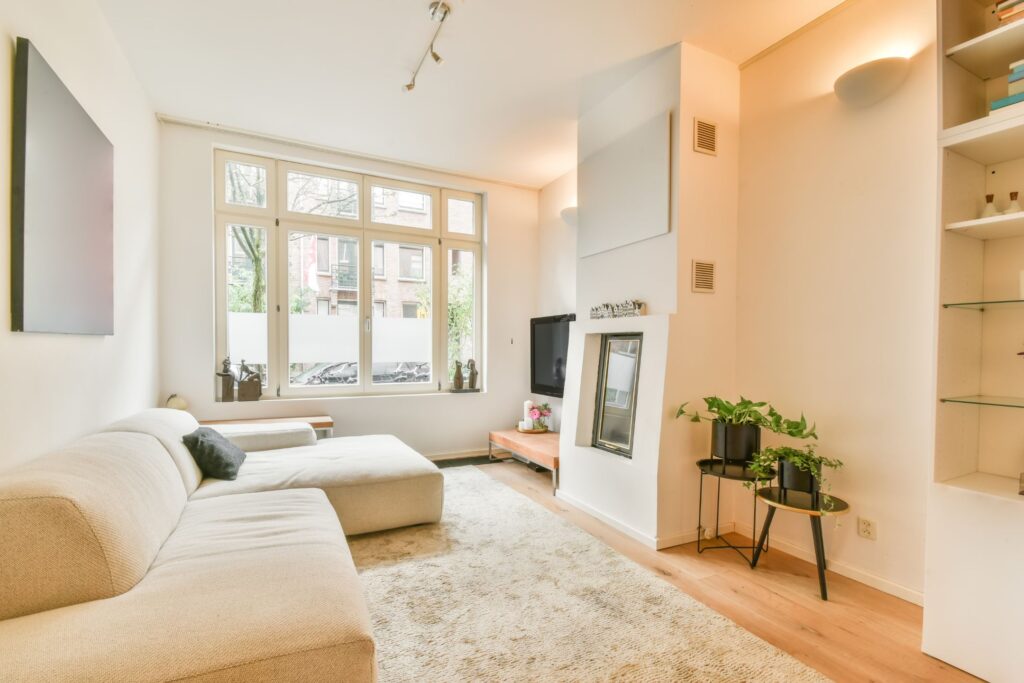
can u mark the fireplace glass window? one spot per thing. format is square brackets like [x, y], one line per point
[616, 393]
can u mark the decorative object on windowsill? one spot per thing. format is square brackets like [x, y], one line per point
[176, 402]
[625, 309]
[736, 427]
[227, 381]
[250, 384]
[800, 469]
[459, 383]
[990, 207]
[1014, 206]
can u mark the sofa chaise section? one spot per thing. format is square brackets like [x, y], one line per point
[373, 482]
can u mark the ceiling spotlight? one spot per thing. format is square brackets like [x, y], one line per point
[439, 11]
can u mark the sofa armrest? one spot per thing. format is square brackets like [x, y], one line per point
[267, 436]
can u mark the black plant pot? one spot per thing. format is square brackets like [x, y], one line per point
[793, 479]
[735, 443]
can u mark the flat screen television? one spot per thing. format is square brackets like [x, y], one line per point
[62, 207]
[549, 347]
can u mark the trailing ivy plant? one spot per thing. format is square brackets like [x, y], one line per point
[747, 412]
[804, 459]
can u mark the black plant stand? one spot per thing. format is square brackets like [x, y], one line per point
[806, 504]
[735, 471]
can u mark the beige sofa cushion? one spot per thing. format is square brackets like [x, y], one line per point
[251, 587]
[84, 522]
[168, 426]
[267, 436]
[373, 482]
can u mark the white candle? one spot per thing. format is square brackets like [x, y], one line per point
[527, 407]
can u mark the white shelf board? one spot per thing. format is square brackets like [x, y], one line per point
[993, 139]
[989, 484]
[990, 54]
[993, 228]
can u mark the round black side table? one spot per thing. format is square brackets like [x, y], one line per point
[735, 471]
[814, 506]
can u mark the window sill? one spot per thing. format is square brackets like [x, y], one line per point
[267, 398]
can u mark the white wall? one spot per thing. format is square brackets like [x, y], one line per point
[837, 275]
[434, 424]
[702, 336]
[627, 98]
[57, 387]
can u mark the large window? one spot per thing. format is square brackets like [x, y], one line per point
[296, 305]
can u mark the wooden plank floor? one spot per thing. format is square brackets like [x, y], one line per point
[860, 634]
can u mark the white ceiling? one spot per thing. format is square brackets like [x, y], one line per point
[503, 106]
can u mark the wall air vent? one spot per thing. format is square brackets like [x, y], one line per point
[704, 277]
[705, 137]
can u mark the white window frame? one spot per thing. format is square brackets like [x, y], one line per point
[478, 212]
[284, 339]
[221, 158]
[279, 222]
[297, 216]
[478, 305]
[434, 193]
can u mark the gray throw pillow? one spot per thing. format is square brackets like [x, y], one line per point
[217, 457]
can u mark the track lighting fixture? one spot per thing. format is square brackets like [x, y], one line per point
[438, 11]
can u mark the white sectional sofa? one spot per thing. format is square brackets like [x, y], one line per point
[119, 563]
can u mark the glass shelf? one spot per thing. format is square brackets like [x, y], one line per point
[982, 305]
[1000, 401]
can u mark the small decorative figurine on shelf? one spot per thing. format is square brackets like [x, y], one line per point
[474, 376]
[250, 384]
[990, 207]
[227, 381]
[457, 376]
[1014, 206]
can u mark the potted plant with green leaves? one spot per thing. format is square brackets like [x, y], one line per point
[800, 469]
[736, 427]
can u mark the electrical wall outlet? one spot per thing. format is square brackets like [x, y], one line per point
[866, 529]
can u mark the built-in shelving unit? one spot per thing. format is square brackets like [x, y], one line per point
[992, 228]
[975, 515]
[988, 484]
[988, 55]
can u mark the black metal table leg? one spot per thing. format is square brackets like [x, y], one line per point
[700, 514]
[764, 536]
[819, 554]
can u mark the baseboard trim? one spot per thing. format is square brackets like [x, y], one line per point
[807, 554]
[648, 541]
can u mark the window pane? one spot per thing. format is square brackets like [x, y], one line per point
[378, 260]
[461, 307]
[410, 262]
[402, 327]
[245, 184]
[401, 207]
[247, 298]
[461, 216]
[323, 196]
[323, 320]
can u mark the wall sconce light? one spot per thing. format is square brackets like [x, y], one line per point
[870, 83]
[570, 215]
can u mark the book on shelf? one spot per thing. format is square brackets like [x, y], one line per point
[1007, 3]
[1007, 101]
[1017, 66]
[1012, 13]
[1015, 89]
[1016, 76]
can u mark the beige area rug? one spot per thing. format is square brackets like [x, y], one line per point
[505, 590]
